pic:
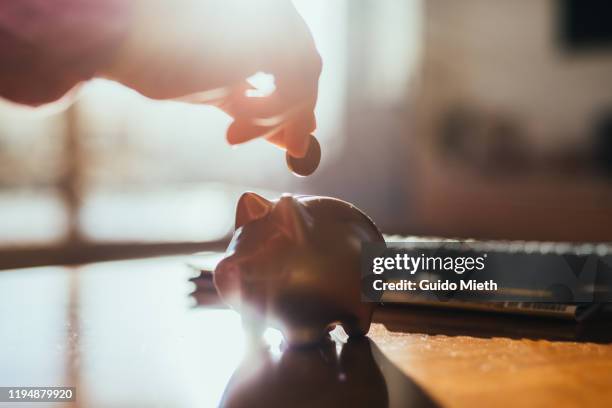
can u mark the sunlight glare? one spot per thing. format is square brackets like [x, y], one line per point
[274, 339]
[263, 83]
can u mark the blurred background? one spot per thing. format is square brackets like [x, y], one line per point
[479, 118]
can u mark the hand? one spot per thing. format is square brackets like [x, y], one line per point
[180, 48]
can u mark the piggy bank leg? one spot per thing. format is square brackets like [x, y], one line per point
[356, 326]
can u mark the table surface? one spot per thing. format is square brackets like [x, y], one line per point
[126, 334]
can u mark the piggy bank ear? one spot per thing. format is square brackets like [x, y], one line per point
[251, 207]
[292, 218]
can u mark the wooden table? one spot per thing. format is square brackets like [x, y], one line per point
[124, 334]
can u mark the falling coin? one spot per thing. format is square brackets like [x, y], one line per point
[305, 166]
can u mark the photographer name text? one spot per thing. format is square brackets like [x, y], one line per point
[438, 285]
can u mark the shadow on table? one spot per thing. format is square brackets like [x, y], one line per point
[333, 374]
[432, 321]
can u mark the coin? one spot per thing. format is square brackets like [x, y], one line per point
[305, 166]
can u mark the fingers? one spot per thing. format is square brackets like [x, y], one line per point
[241, 131]
[290, 106]
[285, 117]
[267, 107]
[289, 95]
[270, 110]
[277, 138]
[297, 134]
[287, 131]
[292, 135]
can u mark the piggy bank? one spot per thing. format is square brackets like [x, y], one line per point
[294, 264]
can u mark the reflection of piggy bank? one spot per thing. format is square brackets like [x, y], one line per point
[293, 264]
[313, 377]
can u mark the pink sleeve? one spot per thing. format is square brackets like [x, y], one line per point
[48, 46]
